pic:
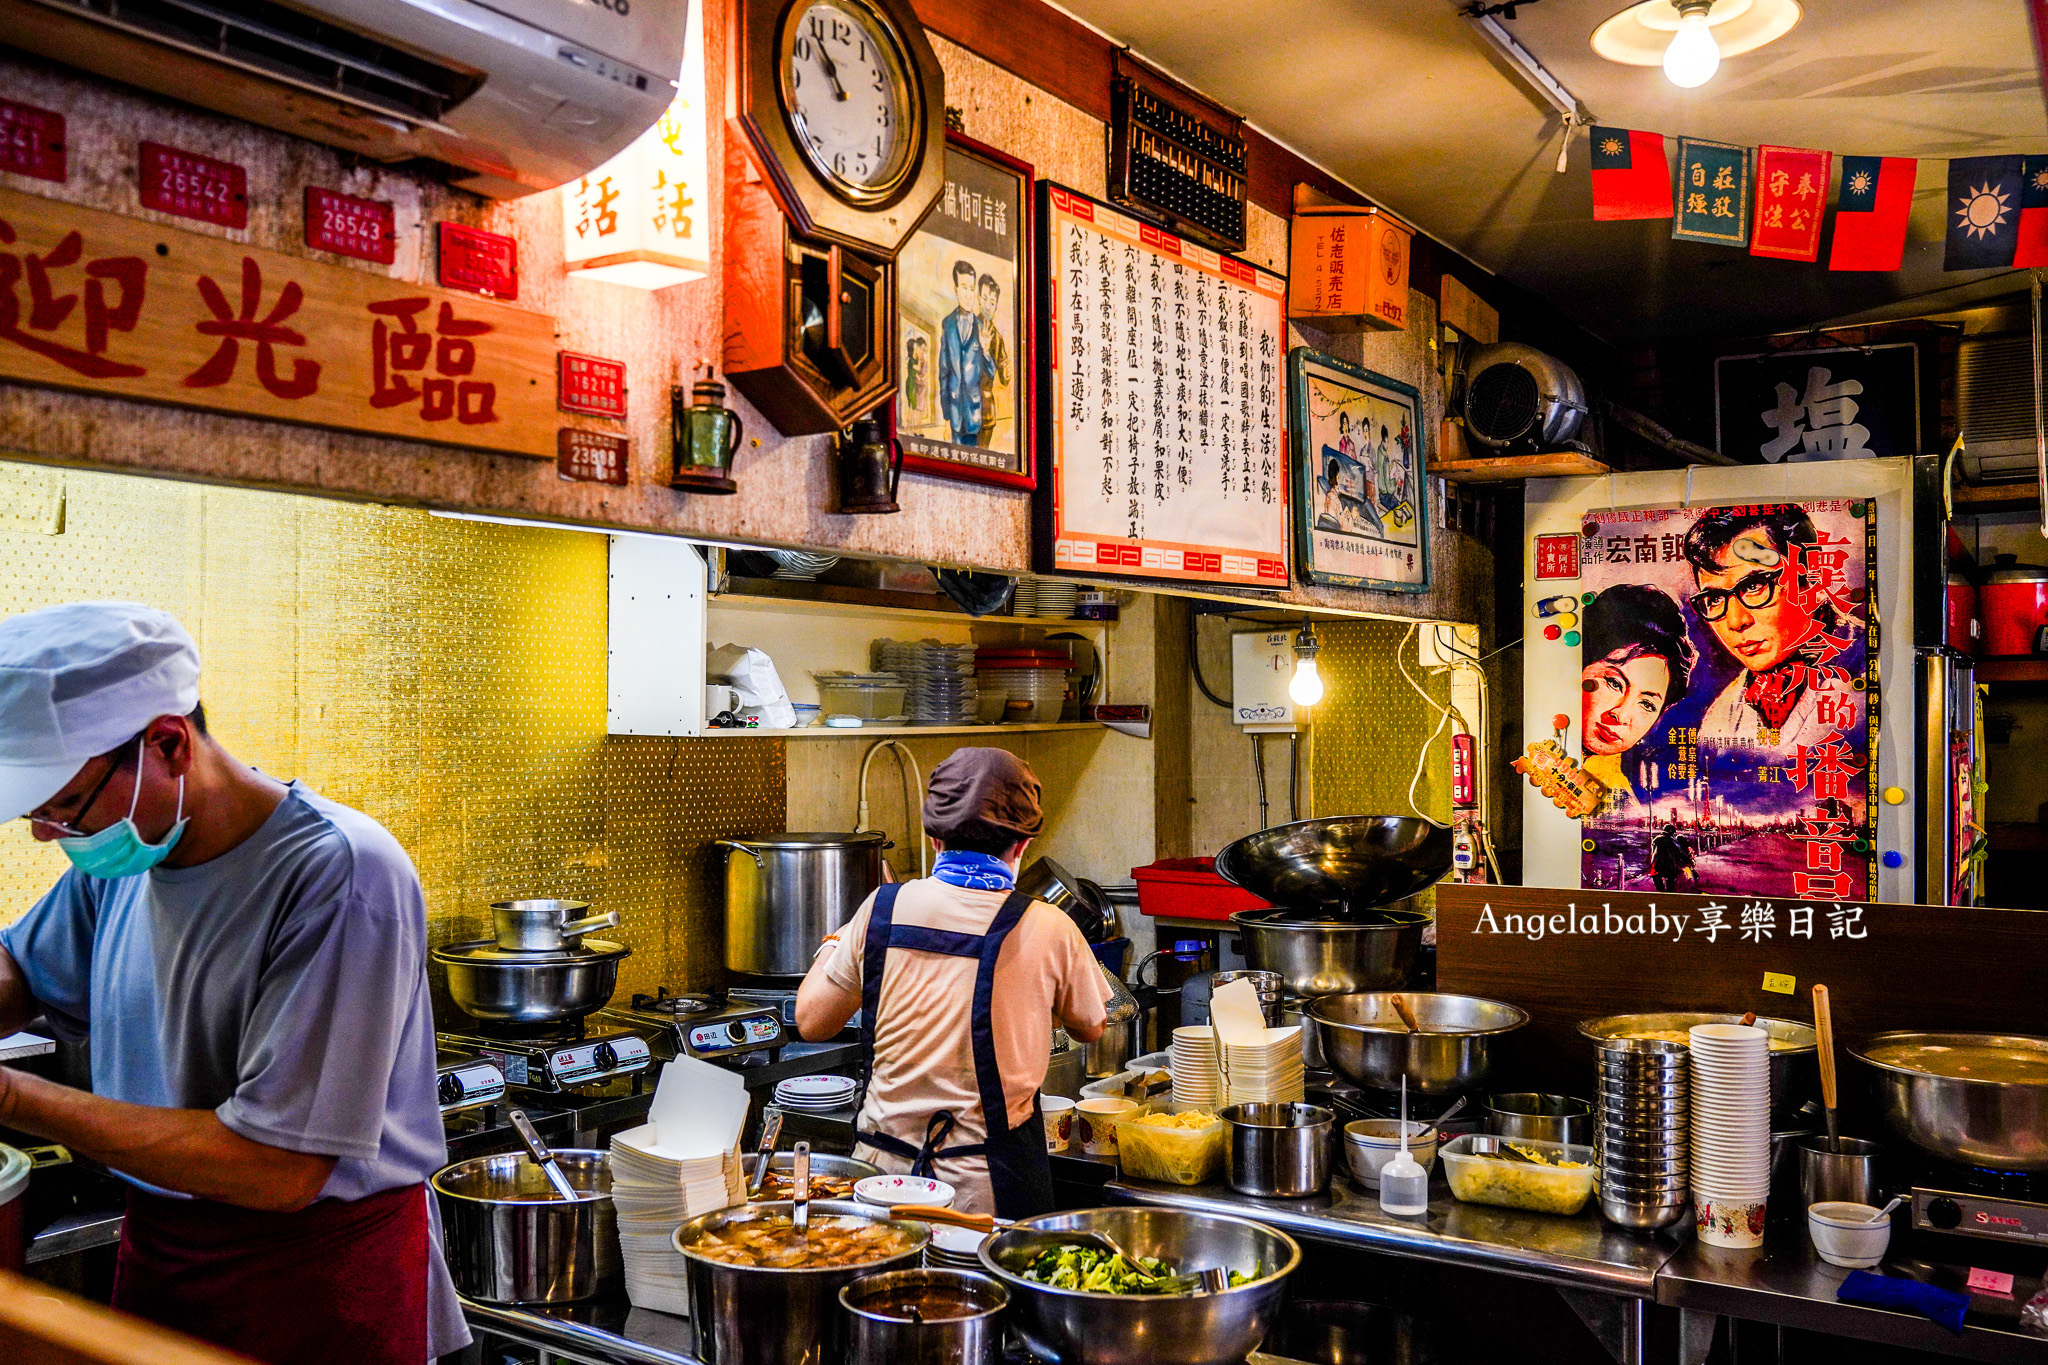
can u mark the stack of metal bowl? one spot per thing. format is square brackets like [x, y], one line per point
[1267, 984]
[1645, 1131]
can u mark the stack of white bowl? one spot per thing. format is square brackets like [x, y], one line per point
[655, 1190]
[1731, 1132]
[1191, 1062]
[1268, 1071]
[816, 1094]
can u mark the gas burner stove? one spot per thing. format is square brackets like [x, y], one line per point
[1977, 1201]
[466, 1080]
[691, 1025]
[562, 1059]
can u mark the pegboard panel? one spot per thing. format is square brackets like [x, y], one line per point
[1371, 723]
[446, 677]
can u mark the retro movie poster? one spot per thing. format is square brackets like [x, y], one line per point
[1358, 469]
[1728, 664]
[963, 330]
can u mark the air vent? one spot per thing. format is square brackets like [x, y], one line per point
[1995, 388]
[1502, 405]
[293, 47]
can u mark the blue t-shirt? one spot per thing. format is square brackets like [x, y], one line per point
[282, 985]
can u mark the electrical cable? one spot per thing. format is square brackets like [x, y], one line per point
[1195, 660]
[912, 782]
[1294, 776]
[1259, 767]
[1443, 718]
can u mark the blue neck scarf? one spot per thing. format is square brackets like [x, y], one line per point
[975, 871]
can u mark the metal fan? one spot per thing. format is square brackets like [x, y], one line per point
[1516, 395]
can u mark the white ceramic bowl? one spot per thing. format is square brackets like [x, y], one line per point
[888, 1191]
[1369, 1144]
[1844, 1235]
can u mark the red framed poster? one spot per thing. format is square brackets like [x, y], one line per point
[32, 141]
[1164, 406]
[590, 385]
[964, 325]
[193, 186]
[482, 262]
[347, 226]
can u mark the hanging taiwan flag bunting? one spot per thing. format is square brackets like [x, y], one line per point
[1983, 212]
[1791, 190]
[1631, 179]
[2031, 248]
[1713, 193]
[1871, 212]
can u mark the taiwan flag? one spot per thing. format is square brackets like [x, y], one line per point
[2032, 247]
[1871, 212]
[1631, 179]
[1983, 210]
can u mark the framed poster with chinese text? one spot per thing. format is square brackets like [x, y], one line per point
[1164, 415]
[963, 324]
[1728, 663]
[1359, 485]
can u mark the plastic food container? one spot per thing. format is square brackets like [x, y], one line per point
[1173, 1155]
[867, 697]
[1479, 1175]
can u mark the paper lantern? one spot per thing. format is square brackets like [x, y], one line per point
[643, 218]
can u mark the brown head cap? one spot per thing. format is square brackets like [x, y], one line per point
[989, 789]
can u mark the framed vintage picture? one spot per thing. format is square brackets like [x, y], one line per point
[963, 325]
[1360, 458]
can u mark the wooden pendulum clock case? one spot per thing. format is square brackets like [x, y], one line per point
[835, 152]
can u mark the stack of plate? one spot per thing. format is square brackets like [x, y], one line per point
[816, 1094]
[800, 566]
[1045, 597]
[1268, 1071]
[1731, 1132]
[1645, 1131]
[954, 1248]
[1192, 1063]
[655, 1190]
[940, 679]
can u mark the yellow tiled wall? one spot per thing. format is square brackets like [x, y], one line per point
[446, 677]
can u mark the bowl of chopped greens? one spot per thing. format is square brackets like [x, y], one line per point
[1080, 1302]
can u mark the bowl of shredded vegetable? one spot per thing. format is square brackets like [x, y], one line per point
[1080, 1303]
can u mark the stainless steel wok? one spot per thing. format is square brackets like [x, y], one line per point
[1341, 864]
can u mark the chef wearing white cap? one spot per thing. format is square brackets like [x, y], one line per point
[248, 962]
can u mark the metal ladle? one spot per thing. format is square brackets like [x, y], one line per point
[800, 1188]
[542, 1157]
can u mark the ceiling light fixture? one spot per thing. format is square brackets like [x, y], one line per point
[1688, 38]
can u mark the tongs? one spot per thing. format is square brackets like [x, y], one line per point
[771, 1130]
[800, 1189]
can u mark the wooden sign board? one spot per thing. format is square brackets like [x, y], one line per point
[1348, 267]
[128, 309]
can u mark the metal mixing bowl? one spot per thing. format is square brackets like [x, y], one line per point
[1341, 864]
[1124, 1329]
[521, 987]
[1367, 1043]
[1999, 1124]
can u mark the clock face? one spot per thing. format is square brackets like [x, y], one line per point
[849, 98]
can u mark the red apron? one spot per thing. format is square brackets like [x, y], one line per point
[338, 1280]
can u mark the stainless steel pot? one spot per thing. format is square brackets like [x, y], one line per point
[1366, 1042]
[1278, 1151]
[511, 1239]
[546, 925]
[1084, 1328]
[1065, 1067]
[973, 1336]
[785, 892]
[531, 987]
[1333, 957]
[1108, 1054]
[1996, 1123]
[759, 1315]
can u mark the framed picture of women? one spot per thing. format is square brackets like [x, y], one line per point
[1360, 499]
[963, 325]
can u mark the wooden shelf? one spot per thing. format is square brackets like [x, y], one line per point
[1515, 468]
[1997, 497]
[901, 731]
[2012, 670]
[803, 606]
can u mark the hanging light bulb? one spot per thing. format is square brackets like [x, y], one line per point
[1306, 686]
[1694, 56]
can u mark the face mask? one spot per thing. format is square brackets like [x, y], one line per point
[119, 850]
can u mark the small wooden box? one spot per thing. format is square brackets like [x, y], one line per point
[1348, 267]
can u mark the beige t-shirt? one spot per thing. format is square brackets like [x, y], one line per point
[924, 1050]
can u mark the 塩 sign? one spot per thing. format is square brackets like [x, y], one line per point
[1845, 403]
[130, 309]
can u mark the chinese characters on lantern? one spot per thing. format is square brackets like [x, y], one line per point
[1170, 430]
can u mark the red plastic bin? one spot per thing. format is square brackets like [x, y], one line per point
[1188, 888]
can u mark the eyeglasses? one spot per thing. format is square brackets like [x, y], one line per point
[71, 831]
[1755, 591]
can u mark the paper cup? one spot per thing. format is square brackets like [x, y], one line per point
[1058, 1114]
[1095, 1123]
[1734, 1223]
